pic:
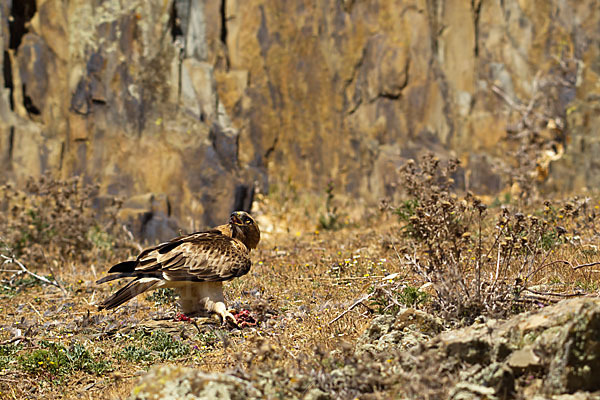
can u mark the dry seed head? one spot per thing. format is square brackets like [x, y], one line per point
[519, 216]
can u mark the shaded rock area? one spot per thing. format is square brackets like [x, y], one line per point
[553, 353]
[148, 217]
[192, 99]
[402, 331]
[171, 382]
[112, 91]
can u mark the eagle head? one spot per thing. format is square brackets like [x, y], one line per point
[245, 228]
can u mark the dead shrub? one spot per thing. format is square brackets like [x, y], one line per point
[53, 216]
[479, 262]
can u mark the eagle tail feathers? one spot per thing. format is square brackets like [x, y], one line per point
[128, 292]
[115, 276]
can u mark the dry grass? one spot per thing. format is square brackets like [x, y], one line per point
[301, 280]
[293, 279]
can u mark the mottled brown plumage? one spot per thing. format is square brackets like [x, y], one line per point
[195, 265]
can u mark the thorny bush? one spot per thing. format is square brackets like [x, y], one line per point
[478, 261]
[52, 216]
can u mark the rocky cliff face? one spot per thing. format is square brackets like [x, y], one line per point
[199, 100]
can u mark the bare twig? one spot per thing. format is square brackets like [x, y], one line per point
[566, 295]
[541, 267]
[523, 110]
[390, 296]
[130, 236]
[497, 267]
[565, 262]
[53, 274]
[36, 311]
[478, 266]
[12, 260]
[356, 303]
[15, 339]
[347, 278]
[507, 99]
[576, 267]
[536, 298]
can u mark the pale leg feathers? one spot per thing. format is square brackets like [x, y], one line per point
[204, 299]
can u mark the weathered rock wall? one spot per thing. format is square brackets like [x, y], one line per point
[200, 99]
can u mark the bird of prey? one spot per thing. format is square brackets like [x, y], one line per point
[195, 265]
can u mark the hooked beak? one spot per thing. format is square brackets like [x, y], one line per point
[235, 220]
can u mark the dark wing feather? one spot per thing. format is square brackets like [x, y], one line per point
[125, 266]
[162, 247]
[165, 247]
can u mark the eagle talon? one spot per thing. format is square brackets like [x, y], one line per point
[228, 319]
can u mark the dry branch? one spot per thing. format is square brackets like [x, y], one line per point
[12, 260]
[356, 303]
[565, 295]
[576, 267]
[15, 339]
[565, 262]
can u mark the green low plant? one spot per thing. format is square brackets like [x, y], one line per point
[20, 284]
[8, 355]
[56, 360]
[155, 345]
[411, 296]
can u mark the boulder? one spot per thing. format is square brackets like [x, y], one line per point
[403, 331]
[553, 351]
[168, 382]
[148, 218]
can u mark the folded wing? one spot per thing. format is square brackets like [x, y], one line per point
[200, 257]
[203, 256]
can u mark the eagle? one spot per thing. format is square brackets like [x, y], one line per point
[195, 265]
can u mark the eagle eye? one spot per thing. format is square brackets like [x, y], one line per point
[247, 220]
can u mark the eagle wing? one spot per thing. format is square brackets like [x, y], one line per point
[199, 257]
